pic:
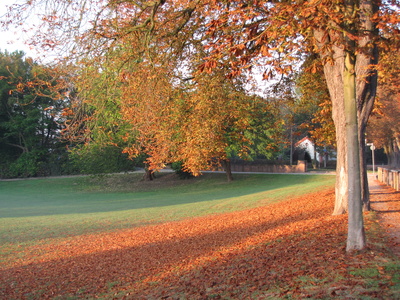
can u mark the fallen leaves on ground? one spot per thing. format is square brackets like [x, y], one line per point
[293, 248]
[387, 203]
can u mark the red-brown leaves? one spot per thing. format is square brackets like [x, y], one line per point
[138, 258]
[208, 66]
[268, 251]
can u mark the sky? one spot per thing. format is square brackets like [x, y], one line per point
[12, 39]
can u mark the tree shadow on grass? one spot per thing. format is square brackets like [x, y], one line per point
[266, 270]
[48, 200]
[193, 246]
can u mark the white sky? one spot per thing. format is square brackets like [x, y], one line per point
[13, 39]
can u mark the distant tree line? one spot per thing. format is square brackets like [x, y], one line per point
[47, 130]
[37, 113]
[31, 123]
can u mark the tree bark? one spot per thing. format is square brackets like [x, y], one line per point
[363, 171]
[356, 234]
[366, 84]
[392, 151]
[314, 163]
[148, 174]
[334, 78]
[226, 163]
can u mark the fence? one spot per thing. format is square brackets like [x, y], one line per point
[389, 177]
[301, 167]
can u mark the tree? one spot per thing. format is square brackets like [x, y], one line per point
[306, 106]
[265, 129]
[343, 33]
[166, 118]
[149, 93]
[149, 105]
[315, 103]
[383, 128]
[29, 127]
[237, 124]
[93, 125]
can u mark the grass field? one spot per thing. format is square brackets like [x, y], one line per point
[258, 237]
[40, 209]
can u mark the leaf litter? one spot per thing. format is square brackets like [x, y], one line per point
[294, 248]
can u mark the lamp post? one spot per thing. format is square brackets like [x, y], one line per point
[372, 147]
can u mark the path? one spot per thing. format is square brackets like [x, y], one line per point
[386, 201]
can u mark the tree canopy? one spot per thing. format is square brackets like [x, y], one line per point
[159, 45]
[384, 127]
[29, 118]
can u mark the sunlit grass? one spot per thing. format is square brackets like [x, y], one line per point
[33, 211]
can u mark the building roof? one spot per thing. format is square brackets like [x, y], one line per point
[304, 139]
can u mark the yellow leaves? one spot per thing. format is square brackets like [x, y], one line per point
[314, 69]
[265, 51]
[20, 86]
[131, 151]
[124, 76]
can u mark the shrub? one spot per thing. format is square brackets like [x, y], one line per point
[101, 160]
[178, 168]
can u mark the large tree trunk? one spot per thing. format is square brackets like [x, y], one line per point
[366, 84]
[352, 87]
[356, 234]
[363, 171]
[334, 78]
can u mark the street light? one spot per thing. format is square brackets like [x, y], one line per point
[372, 147]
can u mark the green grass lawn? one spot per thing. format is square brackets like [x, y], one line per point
[40, 209]
[40, 212]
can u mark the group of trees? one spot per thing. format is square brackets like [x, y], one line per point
[34, 102]
[165, 78]
[96, 133]
[42, 115]
[28, 128]
[384, 126]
